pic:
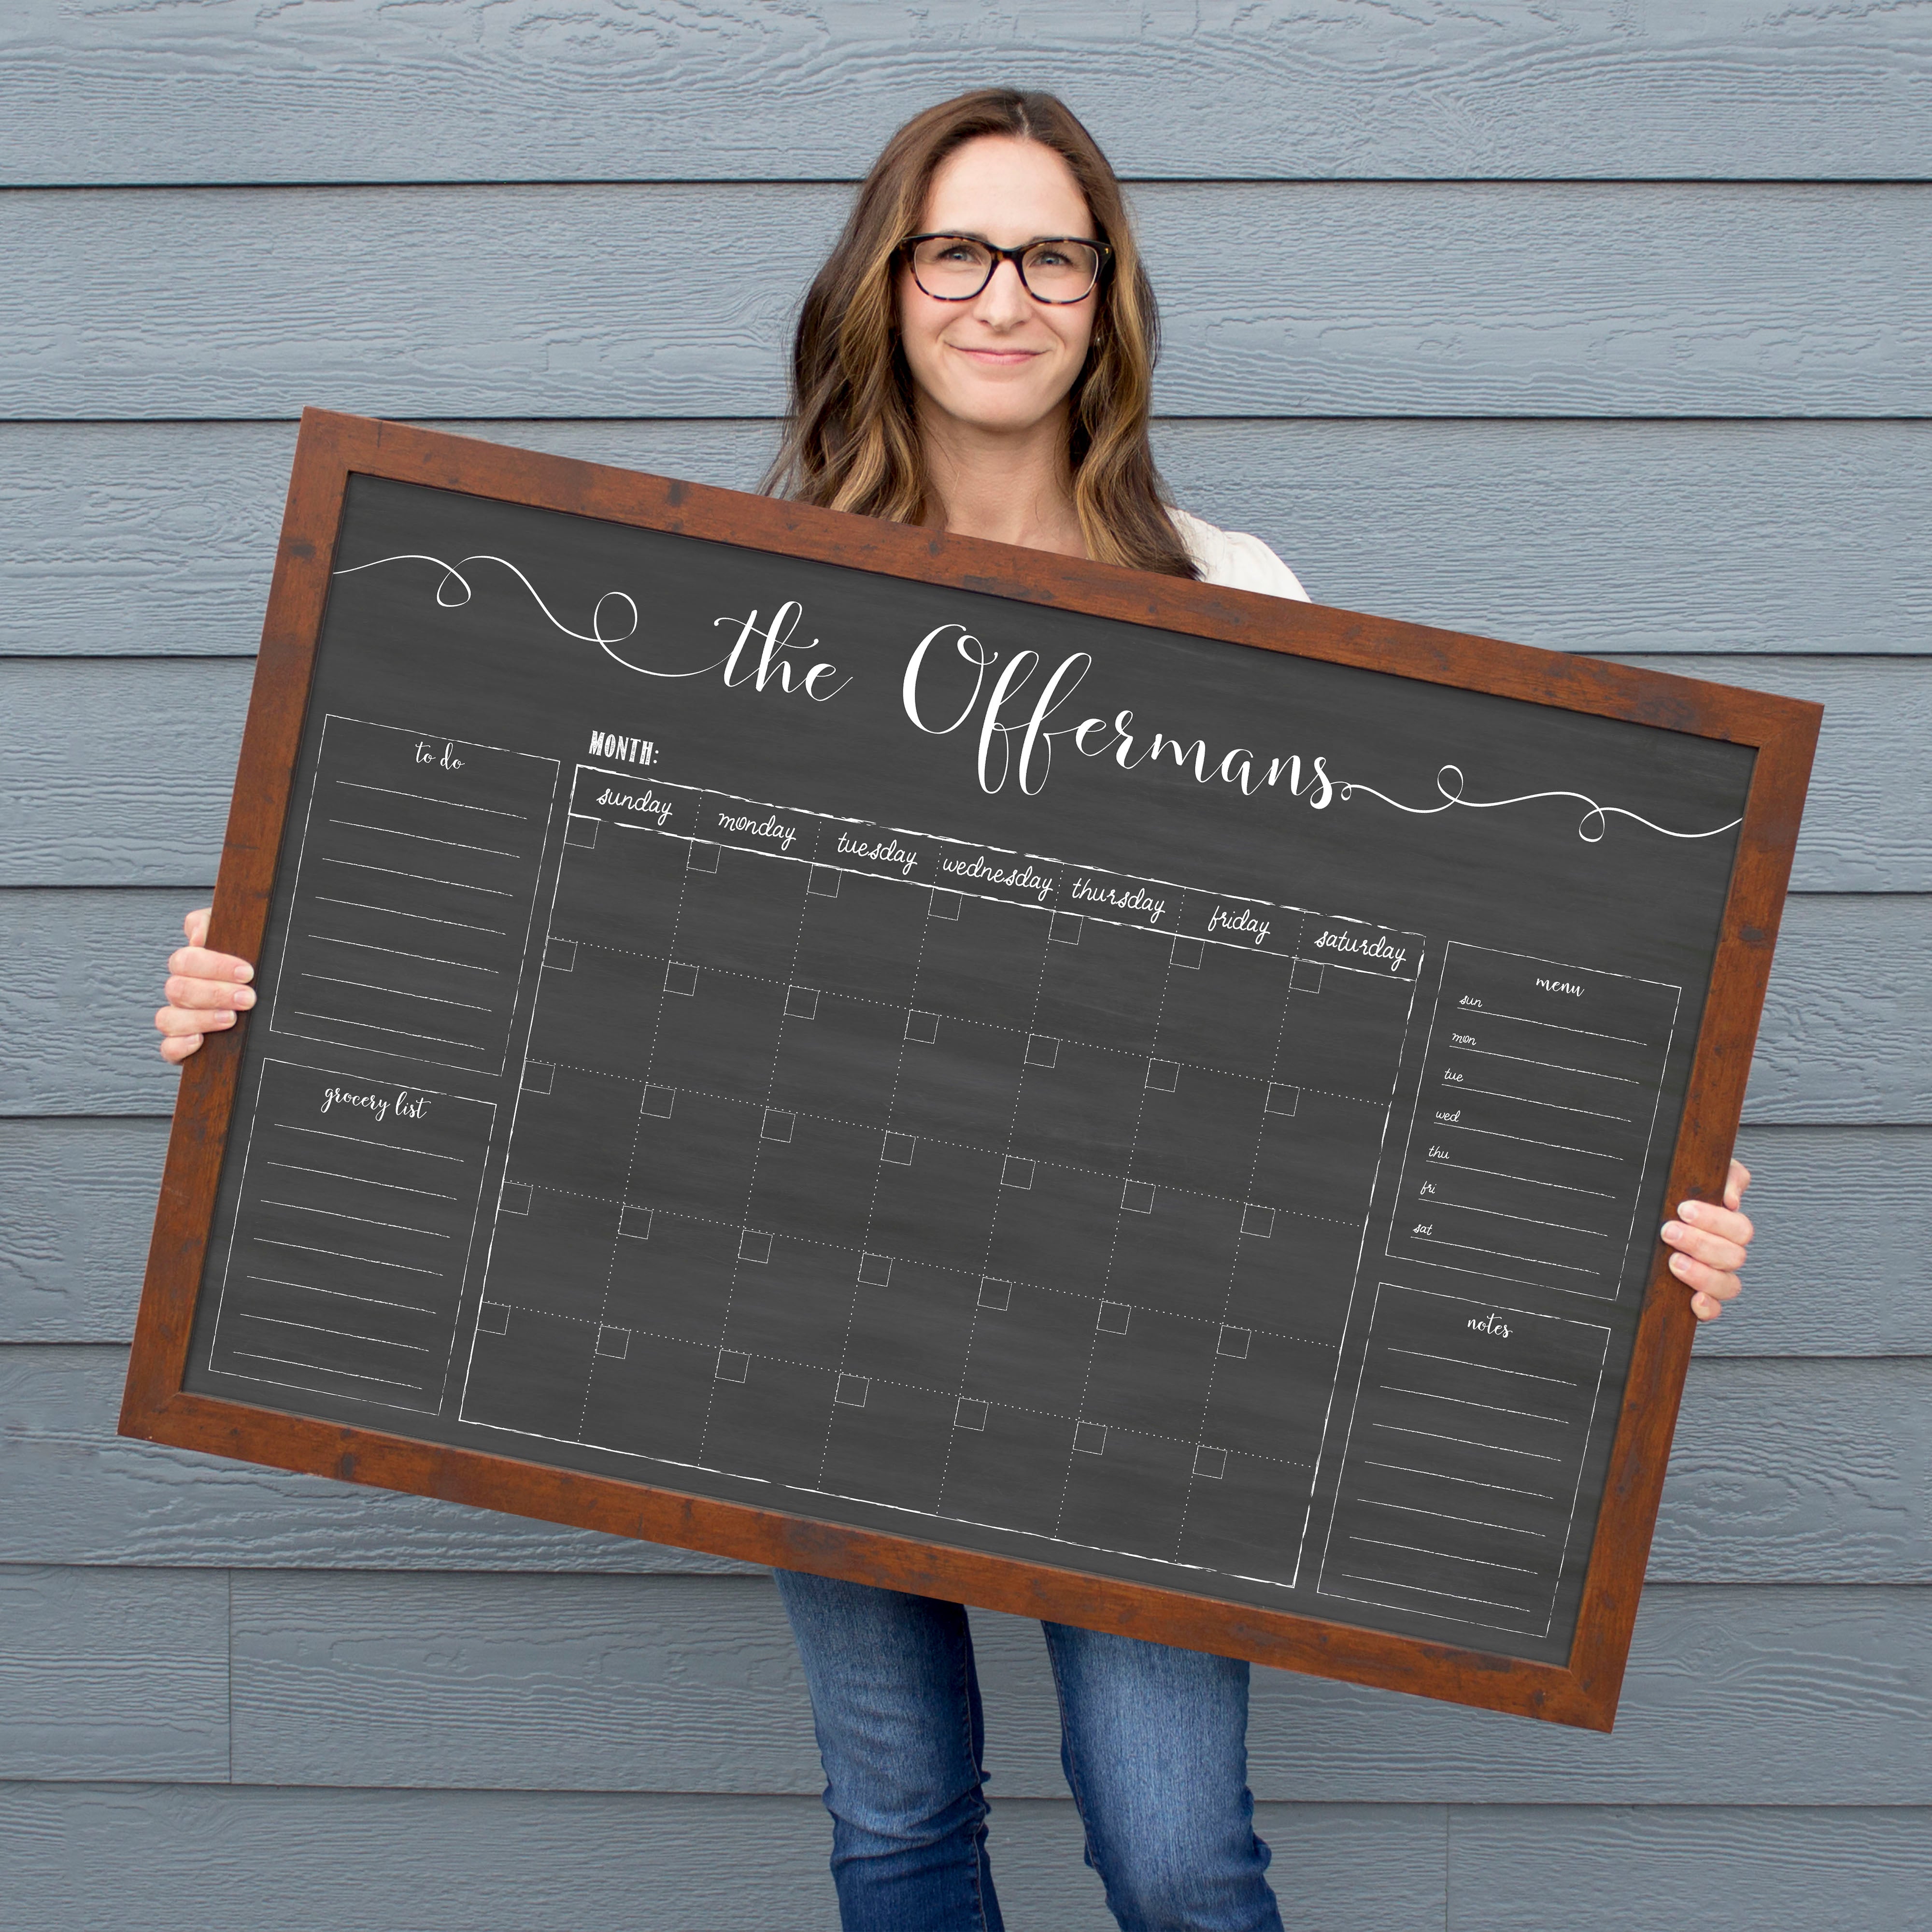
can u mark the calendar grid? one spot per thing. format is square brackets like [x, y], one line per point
[900, 1175]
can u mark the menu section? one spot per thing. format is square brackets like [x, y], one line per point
[1533, 1125]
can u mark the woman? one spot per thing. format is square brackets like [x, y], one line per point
[975, 356]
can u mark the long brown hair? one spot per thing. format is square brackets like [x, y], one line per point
[851, 440]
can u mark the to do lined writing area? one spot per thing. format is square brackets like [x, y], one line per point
[415, 879]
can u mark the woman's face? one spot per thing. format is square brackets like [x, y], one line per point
[1002, 361]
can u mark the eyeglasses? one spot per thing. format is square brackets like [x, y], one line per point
[956, 268]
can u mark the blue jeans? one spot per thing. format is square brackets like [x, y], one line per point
[1153, 1740]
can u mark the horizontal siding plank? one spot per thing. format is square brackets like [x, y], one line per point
[1847, 1037]
[163, 1857]
[542, 1683]
[131, 539]
[1846, 1034]
[113, 1674]
[1841, 1868]
[77, 1202]
[93, 751]
[154, 1857]
[1833, 1205]
[79, 1000]
[1360, 298]
[1782, 1472]
[1752, 1696]
[1609, 538]
[117, 771]
[359, 91]
[1800, 1472]
[157, 1858]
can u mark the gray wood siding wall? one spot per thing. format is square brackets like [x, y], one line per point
[1604, 328]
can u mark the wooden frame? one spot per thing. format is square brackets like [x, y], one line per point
[1782, 731]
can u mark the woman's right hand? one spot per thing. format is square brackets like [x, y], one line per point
[204, 992]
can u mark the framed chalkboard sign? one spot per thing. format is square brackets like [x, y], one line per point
[1090, 1094]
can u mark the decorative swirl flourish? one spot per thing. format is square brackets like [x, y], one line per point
[605, 641]
[1449, 782]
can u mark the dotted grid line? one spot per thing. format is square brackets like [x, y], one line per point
[1113, 1247]
[630, 1162]
[988, 1026]
[887, 1381]
[993, 1222]
[1227, 1295]
[1045, 958]
[872, 1205]
[918, 1261]
[738, 1099]
[804, 879]
[973, 1147]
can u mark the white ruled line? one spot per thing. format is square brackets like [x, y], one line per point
[320, 1368]
[336, 1214]
[423, 838]
[426, 798]
[1466, 1442]
[357, 1140]
[421, 878]
[1468, 1402]
[395, 912]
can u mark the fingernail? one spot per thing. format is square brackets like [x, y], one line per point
[224, 1019]
[1690, 1210]
[1680, 1263]
[245, 998]
[244, 972]
[1670, 1231]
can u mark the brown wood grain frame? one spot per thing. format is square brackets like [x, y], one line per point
[1783, 732]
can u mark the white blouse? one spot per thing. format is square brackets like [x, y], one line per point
[1241, 562]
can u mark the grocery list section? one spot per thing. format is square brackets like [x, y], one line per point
[1532, 1129]
[415, 882]
[352, 1236]
[1462, 1459]
[616, 804]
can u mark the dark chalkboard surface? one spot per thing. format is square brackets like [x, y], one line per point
[960, 1059]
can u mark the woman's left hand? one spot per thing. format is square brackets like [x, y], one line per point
[1711, 1242]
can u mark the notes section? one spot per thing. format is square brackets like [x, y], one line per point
[1532, 1129]
[1463, 1459]
[352, 1236]
[415, 889]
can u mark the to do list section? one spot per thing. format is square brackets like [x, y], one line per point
[416, 886]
